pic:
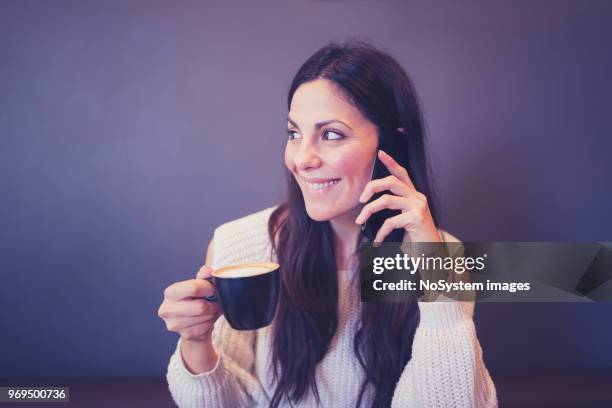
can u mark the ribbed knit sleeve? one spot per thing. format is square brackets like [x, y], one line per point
[232, 382]
[447, 367]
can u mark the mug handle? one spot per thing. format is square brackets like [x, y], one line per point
[211, 298]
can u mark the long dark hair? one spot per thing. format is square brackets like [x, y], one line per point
[307, 317]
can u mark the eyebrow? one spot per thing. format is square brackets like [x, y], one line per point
[319, 125]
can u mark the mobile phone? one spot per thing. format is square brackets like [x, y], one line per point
[393, 143]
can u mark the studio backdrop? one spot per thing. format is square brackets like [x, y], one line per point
[130, 130]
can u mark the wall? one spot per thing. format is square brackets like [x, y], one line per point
[128, 131]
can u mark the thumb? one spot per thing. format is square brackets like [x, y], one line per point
[204, 272]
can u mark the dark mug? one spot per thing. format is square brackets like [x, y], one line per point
[248, 293]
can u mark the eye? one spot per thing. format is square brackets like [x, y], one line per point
[293, 134]
[332, 135]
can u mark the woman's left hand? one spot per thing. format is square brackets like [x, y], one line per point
[415, 217]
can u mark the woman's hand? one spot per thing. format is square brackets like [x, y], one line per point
[415, 217]
[186, 312]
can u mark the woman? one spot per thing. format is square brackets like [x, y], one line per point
[325, 347]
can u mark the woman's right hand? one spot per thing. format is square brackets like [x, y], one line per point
[186, 312]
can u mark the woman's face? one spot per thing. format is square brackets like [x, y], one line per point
[330, 150]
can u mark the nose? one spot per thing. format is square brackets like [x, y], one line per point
[307, 156]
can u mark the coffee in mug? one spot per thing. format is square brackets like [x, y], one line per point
[248, 293]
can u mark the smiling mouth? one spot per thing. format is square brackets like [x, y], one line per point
[321, 186]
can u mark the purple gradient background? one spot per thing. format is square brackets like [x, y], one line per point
[128, 131]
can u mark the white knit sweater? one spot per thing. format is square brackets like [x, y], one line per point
[446, 368]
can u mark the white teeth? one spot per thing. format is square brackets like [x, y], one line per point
[321, 186]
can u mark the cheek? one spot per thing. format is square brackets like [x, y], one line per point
[289, 158]
[355, 168]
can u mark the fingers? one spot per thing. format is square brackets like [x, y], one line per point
[387, 201]
[191, 288]
[187, 308]
[395, 168]
[182, 323]
[390, 183]
[192, 328]
[185, 311]
[399, 221]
